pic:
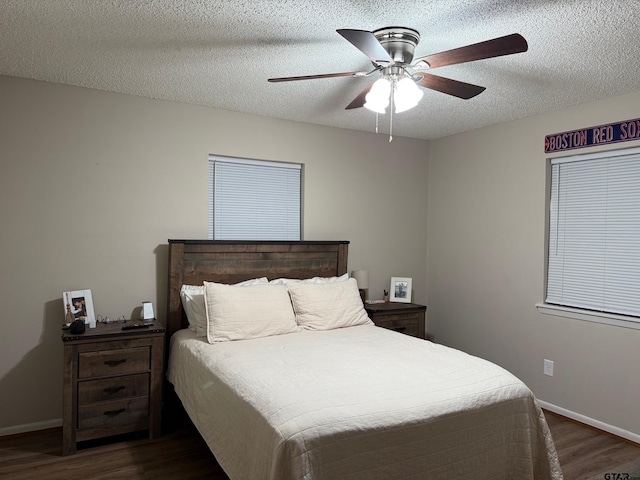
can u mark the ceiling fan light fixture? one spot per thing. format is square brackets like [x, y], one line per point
[391, 51]
[377, 100]
[406, 94]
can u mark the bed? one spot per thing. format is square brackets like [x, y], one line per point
[350, 402]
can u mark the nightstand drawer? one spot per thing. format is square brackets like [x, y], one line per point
[409, 325]
[111, 414]
[107, 389]
[400, 317]
[114, 362]
[407, 318]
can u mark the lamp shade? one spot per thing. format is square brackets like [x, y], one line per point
[407, 94]
[362, 278]
[377, 99]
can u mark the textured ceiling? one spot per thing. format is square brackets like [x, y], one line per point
[219, 53]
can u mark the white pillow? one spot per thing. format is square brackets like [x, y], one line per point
[285, 281]
[325, 306]
[249, 312]
[192, 297]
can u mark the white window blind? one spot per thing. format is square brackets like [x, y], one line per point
[254, 199]
[594, 232]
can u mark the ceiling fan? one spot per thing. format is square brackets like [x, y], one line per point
[391, 51]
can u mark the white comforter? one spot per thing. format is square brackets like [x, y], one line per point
[359, 403]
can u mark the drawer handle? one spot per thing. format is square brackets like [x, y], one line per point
[113, 413]
[114, 389]
[399, 329]
[113, 363]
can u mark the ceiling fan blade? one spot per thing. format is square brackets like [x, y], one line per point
[368, 44]
[507, 45]
[451, 87]
[359, 101]
[324, 75]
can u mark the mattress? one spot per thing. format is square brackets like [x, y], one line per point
[359, 403]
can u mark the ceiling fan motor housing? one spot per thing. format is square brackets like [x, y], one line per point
[399, 42]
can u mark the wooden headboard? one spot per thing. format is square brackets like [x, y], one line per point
[191, 262]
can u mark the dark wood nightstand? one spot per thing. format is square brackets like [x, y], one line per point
[407, 318]
[112, 382]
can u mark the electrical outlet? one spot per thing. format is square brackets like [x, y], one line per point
[548, 367]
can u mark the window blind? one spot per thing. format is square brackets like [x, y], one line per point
[594, 232]
[254, 199]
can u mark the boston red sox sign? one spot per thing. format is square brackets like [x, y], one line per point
[589, 137]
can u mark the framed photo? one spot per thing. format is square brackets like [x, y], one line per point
[80, 304]
[400, 290]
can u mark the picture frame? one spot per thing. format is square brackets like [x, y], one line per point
[400, 289]
[80, 304]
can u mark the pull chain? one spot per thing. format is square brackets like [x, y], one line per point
[391, 120]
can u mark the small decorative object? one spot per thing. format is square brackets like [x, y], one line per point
[400, 289]
[107, 319]
[147, 311]
[77, 326]
[68, 314]
[79, 304]
[386, 296]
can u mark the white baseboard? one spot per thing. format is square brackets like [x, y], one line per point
[619, 432]
[30, 427]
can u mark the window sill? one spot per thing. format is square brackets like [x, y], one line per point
[597, 317]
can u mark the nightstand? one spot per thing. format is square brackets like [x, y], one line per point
[407, 318]
[112, 382]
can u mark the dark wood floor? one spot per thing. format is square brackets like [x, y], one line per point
[584, 453]
[180, 455]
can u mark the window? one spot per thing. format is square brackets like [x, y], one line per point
[254, 199]
[594, 234]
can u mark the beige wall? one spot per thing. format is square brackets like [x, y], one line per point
[486, 243]
[93, 184]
